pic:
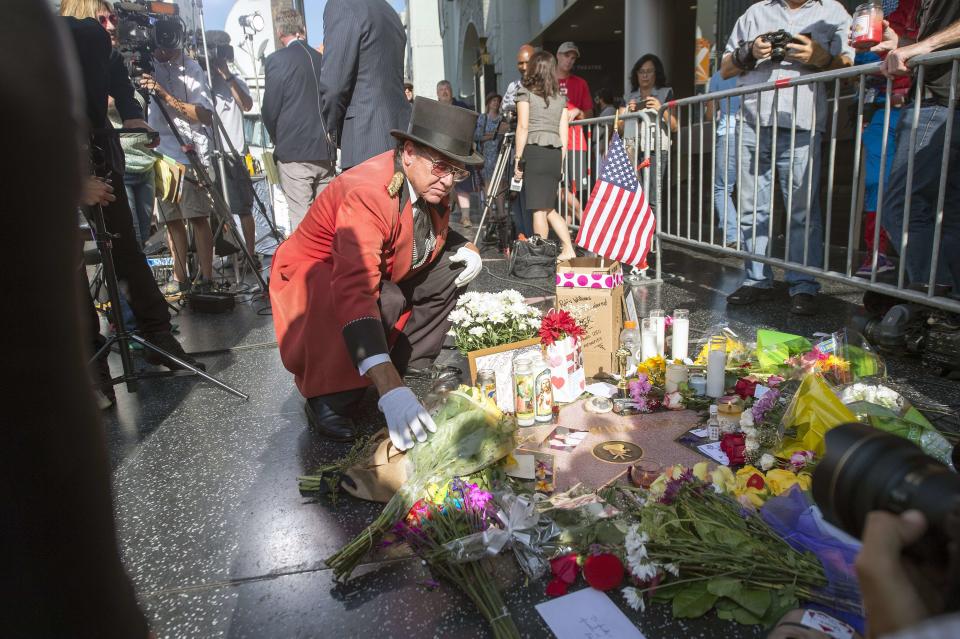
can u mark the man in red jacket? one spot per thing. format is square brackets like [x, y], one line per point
[362, 290]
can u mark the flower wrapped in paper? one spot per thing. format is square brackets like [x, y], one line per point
[561, 336]
[470, 437]
[814, 410]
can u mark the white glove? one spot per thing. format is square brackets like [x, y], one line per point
[472, 265]
[406, 417]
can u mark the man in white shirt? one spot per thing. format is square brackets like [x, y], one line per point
[179, 87]
[232, 99]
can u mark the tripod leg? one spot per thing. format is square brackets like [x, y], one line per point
[190, 367]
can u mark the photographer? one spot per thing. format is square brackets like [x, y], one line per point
[180, 88]
[760, 51]
[508, 107]
[232, 99]
[97, 61]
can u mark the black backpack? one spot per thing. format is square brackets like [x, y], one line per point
[535, 258]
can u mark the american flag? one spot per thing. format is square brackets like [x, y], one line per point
[618, 223]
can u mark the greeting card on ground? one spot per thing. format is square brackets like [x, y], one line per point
[587, 614]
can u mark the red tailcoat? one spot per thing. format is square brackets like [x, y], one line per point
[325, 280]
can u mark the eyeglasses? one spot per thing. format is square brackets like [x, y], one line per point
[442, 168]
[646, 71]
[112, 19]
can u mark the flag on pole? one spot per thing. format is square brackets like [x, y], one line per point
[618, 223]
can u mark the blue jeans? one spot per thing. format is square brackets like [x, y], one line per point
[802, 248]
[927, 166]
[872, 145]
[725, 168]
[140, 192]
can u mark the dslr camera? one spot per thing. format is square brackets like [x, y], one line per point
[144, 26]
[779, 41]
[866, 469]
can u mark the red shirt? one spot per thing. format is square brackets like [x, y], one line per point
[577, 93]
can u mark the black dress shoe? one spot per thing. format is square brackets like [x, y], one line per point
[169, 343]
[803, 304]
[749, 295]
[325, 421]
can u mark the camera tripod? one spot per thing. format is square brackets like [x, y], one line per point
[122, 336]
[221, 210]
[232, 152]
[494, 191]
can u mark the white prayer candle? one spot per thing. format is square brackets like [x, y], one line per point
[648, 339]
[716, 364]
[659, 318]
[681, 333]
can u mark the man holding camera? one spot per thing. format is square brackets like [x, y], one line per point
[180, 89]
[231, 98]
[780, 40]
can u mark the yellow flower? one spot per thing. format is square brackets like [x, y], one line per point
[752, 497]
[751, 487]
[723, 479]
[674, 472]
[437, 494]
[805, 480]
[780, 480]
[659, 486]
[700, 471]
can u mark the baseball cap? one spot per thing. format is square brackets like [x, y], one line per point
[568, 46]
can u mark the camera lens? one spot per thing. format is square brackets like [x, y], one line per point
[866, 469]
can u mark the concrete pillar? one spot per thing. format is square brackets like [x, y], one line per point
[515, 30]
[647, 28]
[426, 47]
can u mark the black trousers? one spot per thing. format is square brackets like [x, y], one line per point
[430, 295]
[146, 300]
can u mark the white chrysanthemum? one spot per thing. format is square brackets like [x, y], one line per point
[636, 540]
[477, 331]
[634, 598]
[673, 569]
[746, 419]
[767, 461]
[644, 571]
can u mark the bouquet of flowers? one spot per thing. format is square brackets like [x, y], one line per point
[699, 549]
[435, 530]
[557, 326]
[470, 437]
[485, 320]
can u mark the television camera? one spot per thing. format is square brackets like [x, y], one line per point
[142, 27]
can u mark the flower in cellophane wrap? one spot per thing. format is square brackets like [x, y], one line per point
[560, 334]
[470, 437]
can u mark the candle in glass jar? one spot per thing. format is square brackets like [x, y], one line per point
[716, 366]
[867, 28]
[676, 374]
[648, 339]
[681, 333]
[698, 384]
[659, 317]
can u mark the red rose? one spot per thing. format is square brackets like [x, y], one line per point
[734, 445]
[557, 587]
[745, 387]
[756, 481]
[565, 567]
[603, 571]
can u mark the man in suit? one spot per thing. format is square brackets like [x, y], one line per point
[362, 79]
[364, 289]
[291, 113]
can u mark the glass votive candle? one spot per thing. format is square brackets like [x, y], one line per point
[648, 339]
[681, 333]
[676, 374]
[645, 472]
[698, 384]
[659, 317]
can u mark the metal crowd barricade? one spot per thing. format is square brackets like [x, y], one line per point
[685, 218]
[580, 171]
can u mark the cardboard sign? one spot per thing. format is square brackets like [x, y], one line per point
[603, 307]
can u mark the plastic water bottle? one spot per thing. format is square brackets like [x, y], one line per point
[630, 341]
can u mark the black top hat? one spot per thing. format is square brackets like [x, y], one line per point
[444, 128]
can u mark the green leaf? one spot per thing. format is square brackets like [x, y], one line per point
[744, 616]
[608, 534]
[693, 601]
[755, 600]
[725, 586]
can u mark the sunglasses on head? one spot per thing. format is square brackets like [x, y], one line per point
[112, 19]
